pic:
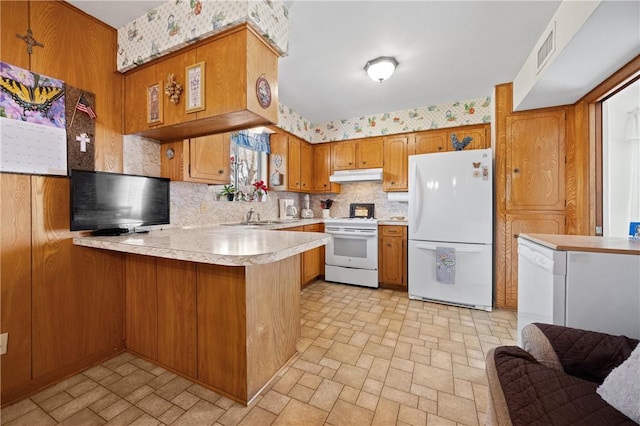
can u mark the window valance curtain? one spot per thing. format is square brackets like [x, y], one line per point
[254, 141]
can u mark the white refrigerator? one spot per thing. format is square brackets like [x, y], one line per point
[451, 228]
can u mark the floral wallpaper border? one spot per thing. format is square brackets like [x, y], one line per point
[178, 23]
[459, 113]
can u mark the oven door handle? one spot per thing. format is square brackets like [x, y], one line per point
[360, 236]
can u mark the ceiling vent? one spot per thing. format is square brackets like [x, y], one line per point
[547, 48]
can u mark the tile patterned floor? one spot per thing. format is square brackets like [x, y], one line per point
[366, 357]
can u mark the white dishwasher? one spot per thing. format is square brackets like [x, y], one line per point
[592, 290]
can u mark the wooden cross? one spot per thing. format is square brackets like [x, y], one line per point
[84, 140]
[29, 40]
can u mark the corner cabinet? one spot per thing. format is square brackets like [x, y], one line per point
[233, 61]
[392, 256]
[290, 164]
[203, 160]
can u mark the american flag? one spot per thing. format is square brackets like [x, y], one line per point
[84, 106]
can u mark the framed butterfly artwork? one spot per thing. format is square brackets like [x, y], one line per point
[32, 122]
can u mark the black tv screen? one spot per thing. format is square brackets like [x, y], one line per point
[116, 203]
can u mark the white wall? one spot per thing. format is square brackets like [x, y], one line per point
[620, 155]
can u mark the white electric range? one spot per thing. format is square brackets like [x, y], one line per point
[351, 257]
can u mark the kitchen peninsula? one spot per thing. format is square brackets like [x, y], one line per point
[218, 304]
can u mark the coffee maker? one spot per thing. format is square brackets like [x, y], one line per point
[287, 209]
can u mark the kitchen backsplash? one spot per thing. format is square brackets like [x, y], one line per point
[195, 204]
[360, 192]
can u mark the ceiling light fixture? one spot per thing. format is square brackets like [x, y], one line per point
[381, 68]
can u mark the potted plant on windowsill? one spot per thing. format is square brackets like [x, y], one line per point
[229, 191]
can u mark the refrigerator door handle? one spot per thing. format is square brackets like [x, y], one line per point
[417, 197]
[461, 250]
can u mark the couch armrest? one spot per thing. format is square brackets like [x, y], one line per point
[586, 354]
[497, 409]
[538, 345]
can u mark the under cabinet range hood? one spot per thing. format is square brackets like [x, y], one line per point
[359, 175]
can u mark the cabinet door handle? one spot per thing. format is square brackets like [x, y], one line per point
[516, 170]
[325, 185]
[515, 235]
[393, 183]
[349, 162]
[439, 148]
[221, 171]
[364, 162]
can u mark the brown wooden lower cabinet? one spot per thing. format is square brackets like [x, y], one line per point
[530, 223]
[141, 305]
[392, 253]
[230, 328]
[177, 326]
[312, 261]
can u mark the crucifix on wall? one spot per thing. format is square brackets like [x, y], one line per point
[31, 42]
[28, 38]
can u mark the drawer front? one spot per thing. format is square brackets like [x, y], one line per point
[316, 227]
[393, 231]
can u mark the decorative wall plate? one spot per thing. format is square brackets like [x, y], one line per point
[263, 92]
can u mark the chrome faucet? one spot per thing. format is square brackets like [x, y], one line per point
[249, 215]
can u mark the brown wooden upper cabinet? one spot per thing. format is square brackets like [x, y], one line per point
[231, 64]
[343, 155]
[204, 159]
[396, 166]
[322, 164]
[440, 140]
[432, 141]
[306, 166]
[535, 161]
[480, 136]
[290, 164]
[370, 153]
[362, 154]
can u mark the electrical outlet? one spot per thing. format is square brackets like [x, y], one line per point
[4, 338]
[203, 207]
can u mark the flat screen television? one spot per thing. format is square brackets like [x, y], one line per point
[114, 203]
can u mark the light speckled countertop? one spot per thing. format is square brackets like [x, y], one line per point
[235, 245]
[219, 244]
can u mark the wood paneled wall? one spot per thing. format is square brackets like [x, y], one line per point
[62, 305]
